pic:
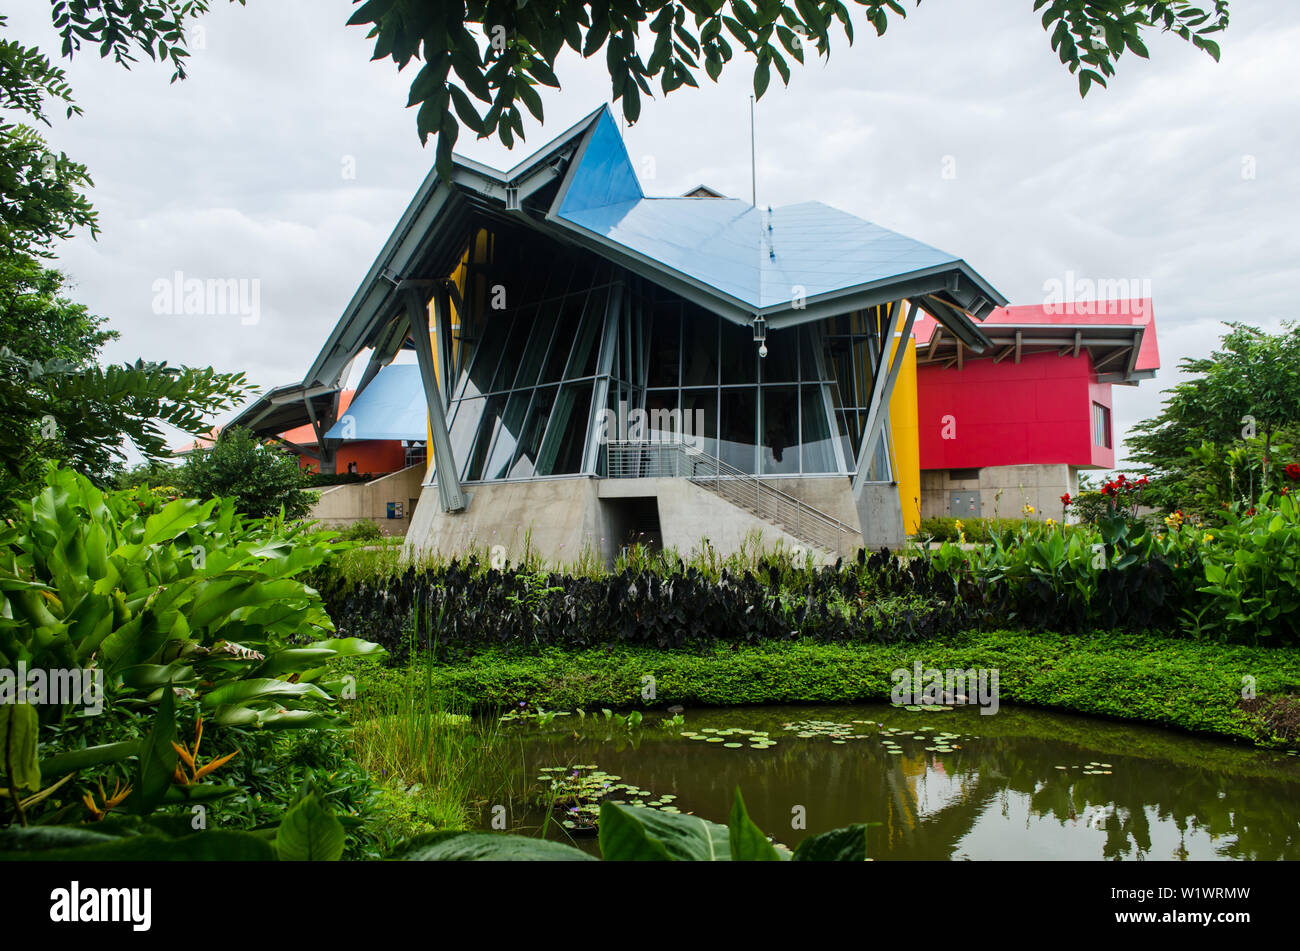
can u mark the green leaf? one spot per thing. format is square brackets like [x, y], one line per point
[175, 517]
[309, 833]
[486, 847]
[748, 844]
[157, 757]
[19, 726]
[258, 688]
[635, 834]
[57, 844]
[848, 844]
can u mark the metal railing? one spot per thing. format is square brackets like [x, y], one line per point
[676, 460]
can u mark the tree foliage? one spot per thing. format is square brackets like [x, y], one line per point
[499, 51]
[260, 478]
[1217, 434]
[56, 402]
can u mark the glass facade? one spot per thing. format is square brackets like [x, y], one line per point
[540, 338]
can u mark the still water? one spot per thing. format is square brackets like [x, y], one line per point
[946, 785]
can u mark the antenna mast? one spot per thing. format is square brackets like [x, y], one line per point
[753, 161]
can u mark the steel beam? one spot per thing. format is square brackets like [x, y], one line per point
[450, 496]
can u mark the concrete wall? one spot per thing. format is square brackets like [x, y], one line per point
[880, 516]
[1038, 485]
[559, 517]
[563, 517]
[339, 506]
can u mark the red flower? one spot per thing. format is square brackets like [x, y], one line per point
[1251, 510]
[1065, 499]
[1293, 470]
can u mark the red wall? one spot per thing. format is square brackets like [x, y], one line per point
[374, 456]
[1037, 411]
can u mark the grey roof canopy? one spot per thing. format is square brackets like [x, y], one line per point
[789, 265]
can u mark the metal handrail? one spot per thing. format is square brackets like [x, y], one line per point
[633, 459]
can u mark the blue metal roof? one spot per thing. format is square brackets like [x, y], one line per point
[391, 407]
[763, 259]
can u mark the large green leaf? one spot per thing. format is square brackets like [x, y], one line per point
[748, 844]
[39, 844]
[848, 844]
[637, 834]
[309, 833]
[175, 517]
[73, 760]
[243, 691]
[486, 847]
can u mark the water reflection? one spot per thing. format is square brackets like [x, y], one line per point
[1018, 785]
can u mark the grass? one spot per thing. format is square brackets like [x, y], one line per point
[428, 759]
[1162, 681]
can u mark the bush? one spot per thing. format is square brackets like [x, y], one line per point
[362, 531]
[260, 478]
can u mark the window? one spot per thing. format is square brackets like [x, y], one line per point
[1101, 425]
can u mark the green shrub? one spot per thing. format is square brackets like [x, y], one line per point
[261, 479]
[362, 531]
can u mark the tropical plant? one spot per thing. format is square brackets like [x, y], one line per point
[181, 611]
[1252, 571]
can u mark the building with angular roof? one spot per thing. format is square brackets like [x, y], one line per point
[596, 365]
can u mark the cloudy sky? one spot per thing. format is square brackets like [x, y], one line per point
[287, 157]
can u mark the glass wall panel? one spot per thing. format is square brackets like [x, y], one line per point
[739, 354]
[586, 348]
[665, 345]
[700, 419]
[700, 350]
[566, 434]
[737, 429]
[538, 342]
[663, 416]
[525, 464]
[514, 350]
[487, 431]
[780, 449]
[566, 332]
[781, 365]
[807, 354]
[512, 425]
[464, 427]
[815, 434]
[493, 333]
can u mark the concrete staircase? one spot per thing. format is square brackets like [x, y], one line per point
[813, 527]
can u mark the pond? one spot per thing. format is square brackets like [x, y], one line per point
[946, 784]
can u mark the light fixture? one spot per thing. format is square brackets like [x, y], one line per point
[760, 335]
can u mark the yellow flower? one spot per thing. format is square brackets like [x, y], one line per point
[1208, 538]
[109, 801]
[1051, 521]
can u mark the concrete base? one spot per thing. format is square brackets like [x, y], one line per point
[339, 506]
[560, 519]
[1003, 491]
[880, 516]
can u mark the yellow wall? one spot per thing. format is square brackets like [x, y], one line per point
[905, 436]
